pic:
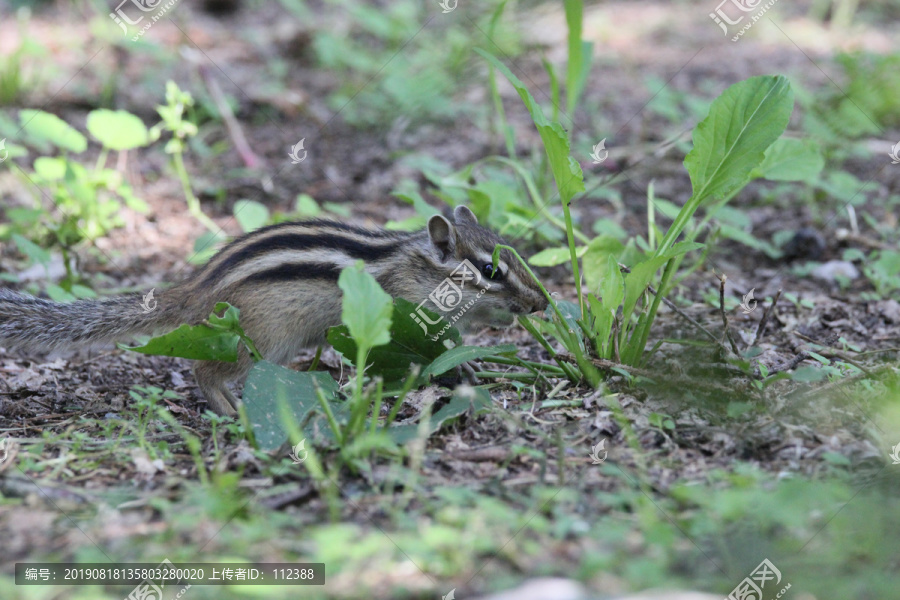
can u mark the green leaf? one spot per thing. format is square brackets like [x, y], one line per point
[117, 129]
[58, 294]
[49, 128]
[604, 310]
[367, 308]
[732, 140]
[808, 374]
[50, 168]
[268, 385]
[566, 170]
[637, 281]
[305, 206]
[550, 257]
[408, 345]
[595, 259]
[205, 247]
[791, 160]
[216, 341]
[739, 235]
[250, 215]
[478, 399]
[461, 354]
[31, 250]
[198, 342]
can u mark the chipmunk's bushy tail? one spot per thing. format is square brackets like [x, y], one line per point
[36, 324]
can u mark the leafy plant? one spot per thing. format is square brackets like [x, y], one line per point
[382, 84]
[730, 147]
[88, 199]
[174, 122]
[379, 335]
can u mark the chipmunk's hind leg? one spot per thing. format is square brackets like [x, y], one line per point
[212, 379]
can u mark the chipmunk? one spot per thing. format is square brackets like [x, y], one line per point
[283, 278]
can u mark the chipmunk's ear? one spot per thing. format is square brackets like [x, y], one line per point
[443, 236]
[463, 216]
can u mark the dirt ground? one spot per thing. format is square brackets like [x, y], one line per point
[73, 498]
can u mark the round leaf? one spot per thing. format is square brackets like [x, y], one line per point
[117, 129]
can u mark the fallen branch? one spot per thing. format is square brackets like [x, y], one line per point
[765, 318]
[722, 279]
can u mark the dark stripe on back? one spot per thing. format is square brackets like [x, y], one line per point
[294, 271]
[301, 241]
[324, 224]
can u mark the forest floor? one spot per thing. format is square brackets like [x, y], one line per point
[708, 467]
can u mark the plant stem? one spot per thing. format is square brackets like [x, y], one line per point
[192, 201]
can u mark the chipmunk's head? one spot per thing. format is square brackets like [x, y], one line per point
[463, 251]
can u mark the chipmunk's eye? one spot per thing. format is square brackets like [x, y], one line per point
[488, 271]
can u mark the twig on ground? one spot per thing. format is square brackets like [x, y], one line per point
[834, 353]
[791, 365]
[722, 279]
[765, 318]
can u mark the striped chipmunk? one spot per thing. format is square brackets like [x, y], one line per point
[283, 278]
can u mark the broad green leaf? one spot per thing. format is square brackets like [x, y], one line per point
[808, 374]
[612, 293]
[478, 399]
[791, 160]
[31, 250]
[367, 308]
[268, 385]
[216, 341]
[637, 281]
[117, 129]
[461, 354]
[50, 128]
[230, 318]
[50, 168]
[732, 140]
[739, 235]
[205, 247]
[58, 294]
[306, 206]
[250, 215]
[197, 342]
[409, 343]
[596, 258]
[566, 170]
[550, 257]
